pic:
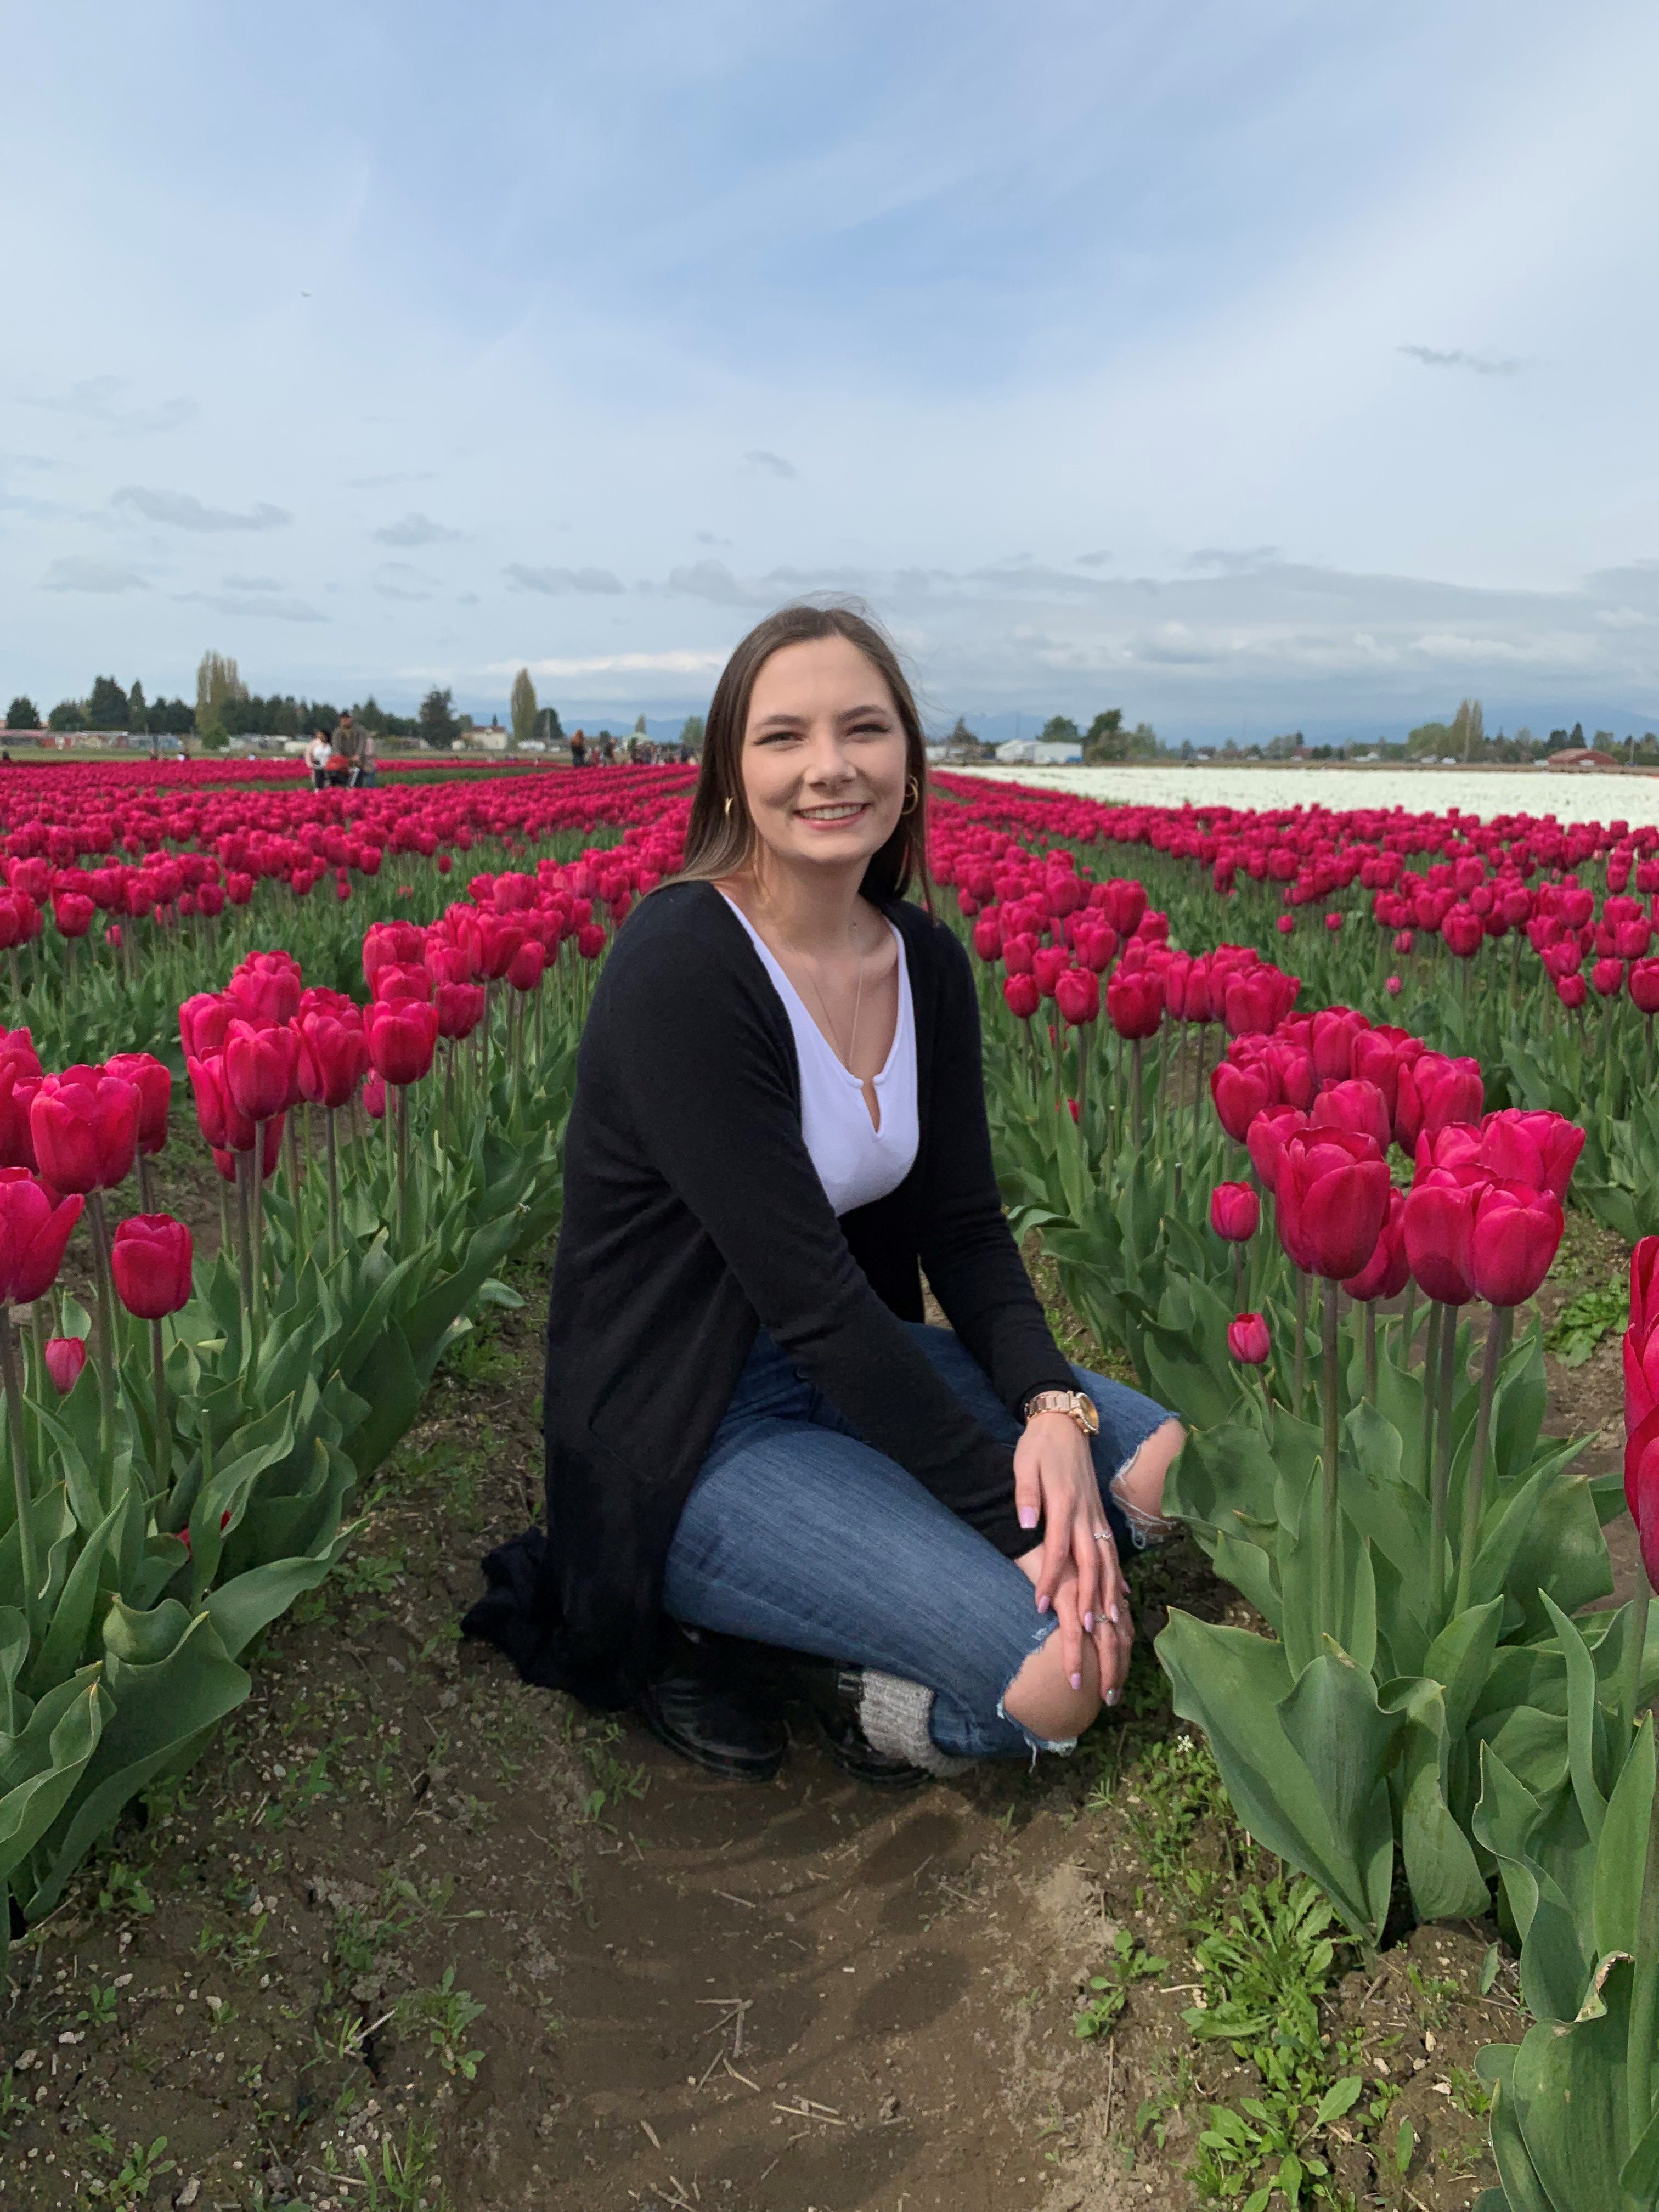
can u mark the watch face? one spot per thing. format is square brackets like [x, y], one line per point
[1090, 1412]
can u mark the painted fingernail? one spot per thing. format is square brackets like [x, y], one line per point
[1027, 1517]
[1111, 1697]
[1076, 1681]
[1088, 1624]
[1114, 1612]
[1042, 1602]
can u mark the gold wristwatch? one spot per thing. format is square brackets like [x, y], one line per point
[1077, 1405]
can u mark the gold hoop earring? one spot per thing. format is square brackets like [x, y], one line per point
[912, 795]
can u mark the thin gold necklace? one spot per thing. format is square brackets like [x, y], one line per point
[845, 1058]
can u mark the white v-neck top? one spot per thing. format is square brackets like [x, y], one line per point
[856, 1162]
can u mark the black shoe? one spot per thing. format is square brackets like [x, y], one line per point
[832, 1693]
[727, 1726]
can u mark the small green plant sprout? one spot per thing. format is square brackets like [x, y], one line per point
[1585, 1320]
[1405, 2148]
[123, 1891]
[130, 2186]
[1129, 1965]
[100, 2005]
[446, 2013]
[401, 2180]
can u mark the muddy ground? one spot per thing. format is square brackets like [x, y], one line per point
[414, 1934]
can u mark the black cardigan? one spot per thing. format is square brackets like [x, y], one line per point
[693, 1214]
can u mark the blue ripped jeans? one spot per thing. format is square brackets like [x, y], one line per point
[798, 1533]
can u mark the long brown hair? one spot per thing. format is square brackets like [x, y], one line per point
[720, 838]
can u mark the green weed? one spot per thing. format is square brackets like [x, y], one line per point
[445, 2013]
[1585, 1320]
[1130, 1964]
[403, 2180]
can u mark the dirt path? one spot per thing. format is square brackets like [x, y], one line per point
[413, 1934]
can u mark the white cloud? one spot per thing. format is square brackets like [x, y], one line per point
[556, 581]
[416, 529]
[78, 572]
[263, 605]
[182, 510]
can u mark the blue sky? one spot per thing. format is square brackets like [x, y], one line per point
[1248, 366]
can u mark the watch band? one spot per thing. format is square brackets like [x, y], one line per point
[1077, 1405]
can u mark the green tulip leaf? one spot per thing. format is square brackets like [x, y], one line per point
[170, 1683]
[1586, 1733]
[1621, 1855]
[1231, 1684]
[1569, 2087]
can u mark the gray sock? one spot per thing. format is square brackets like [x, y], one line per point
[894, 1715]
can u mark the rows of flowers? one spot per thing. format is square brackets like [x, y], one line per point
[1307, 1207]
[1428, 1701]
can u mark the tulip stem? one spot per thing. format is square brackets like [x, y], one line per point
[401, 1096]
[245, 1171]
[1474, 1487]
[333, 1185]
[1408, 1323]
[1134, 1087]
[146, 1185]
[38, 1333]
[1637, 1632]
[163, 1426]
[1443, 1452]
[1370, 1351]
[257, 1209]
[1300, 1340]
[105, 1325]
[1645, 1993]
[291, 1163]
[1330, 1524]
[23, 1489]
[1430, 1370]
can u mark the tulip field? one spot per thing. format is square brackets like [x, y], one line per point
[1295, 1101]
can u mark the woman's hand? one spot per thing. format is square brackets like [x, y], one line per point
[1055, 1477]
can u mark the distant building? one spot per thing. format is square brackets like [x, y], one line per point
[1582, 756]
[1035, 753]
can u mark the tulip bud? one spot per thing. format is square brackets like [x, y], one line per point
[1235, 1212]
[1439, 1228]
[1332, 1193]
[1240, 1093]
[1249, 1340]
[1134, 1003]
[1356, 1105]
[1517, 1233]
[1076, 997]
[153, 1081]
[66, 1357]
[150, 1260]
[262, 1069]
[402, 1039]
[84, 1125]
[333, 1054]
[35, 1225]
[1266, 1138]
[1022, 995]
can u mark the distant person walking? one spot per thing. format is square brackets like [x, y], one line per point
[364, 775]
[607, 749]
[578, 749]
[344, 757]
[317, 759]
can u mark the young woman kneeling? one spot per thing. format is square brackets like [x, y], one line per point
[752, 1437]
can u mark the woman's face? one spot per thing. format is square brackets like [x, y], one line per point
[824, 758]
